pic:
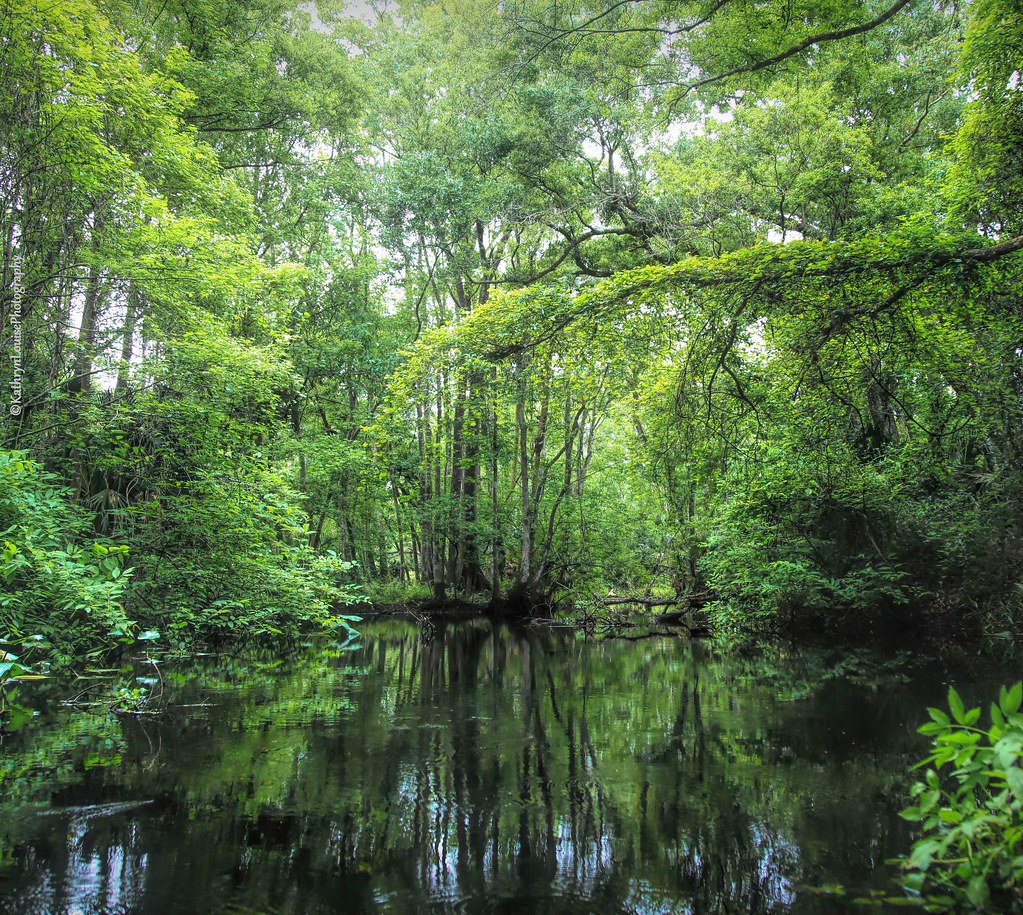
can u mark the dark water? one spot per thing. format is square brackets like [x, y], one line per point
[482, 770]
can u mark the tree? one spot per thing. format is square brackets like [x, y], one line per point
[125, 223]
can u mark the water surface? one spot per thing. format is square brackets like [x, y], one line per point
[483, 770]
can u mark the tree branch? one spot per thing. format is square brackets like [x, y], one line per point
[988, 254]
[820, 38]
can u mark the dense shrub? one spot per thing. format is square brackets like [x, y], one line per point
[58, 578]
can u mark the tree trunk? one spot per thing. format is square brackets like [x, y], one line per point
[81, 380]
[400, 541]
[522, 433]
[495, 569]
[132, 309]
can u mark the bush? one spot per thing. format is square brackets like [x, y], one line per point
[226, 555]
[970, 807]
[58, 578]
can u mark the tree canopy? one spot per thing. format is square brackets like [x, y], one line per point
[703, 303]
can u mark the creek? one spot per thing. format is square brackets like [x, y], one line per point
[483, 769]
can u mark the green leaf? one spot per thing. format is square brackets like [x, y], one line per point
[148, 636]
[1011, 700]
[977, 892]
[939, 716]
[922, 854]
[959, 737]
[1014, 779]
[956, 705]
[16, 717]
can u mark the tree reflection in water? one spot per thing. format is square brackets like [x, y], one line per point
[485, 769]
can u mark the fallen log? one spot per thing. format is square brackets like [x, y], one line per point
[642, 601]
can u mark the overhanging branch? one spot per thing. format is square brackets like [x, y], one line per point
[820, 38]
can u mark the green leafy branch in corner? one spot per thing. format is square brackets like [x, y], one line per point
[14, 667]
[970, 807]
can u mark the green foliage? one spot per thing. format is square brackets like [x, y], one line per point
[796, 538]
[228, 555]
[13, 665]
[188, 287]
[221, 540]
[970, 808]
[478, 291]
[987, 178]
[58, 578]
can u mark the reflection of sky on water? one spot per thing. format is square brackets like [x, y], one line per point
[100, 877]
[778, 861]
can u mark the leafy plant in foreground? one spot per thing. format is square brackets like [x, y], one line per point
[12, 668]
[12, 665]
[57, 577]
[970, 807]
